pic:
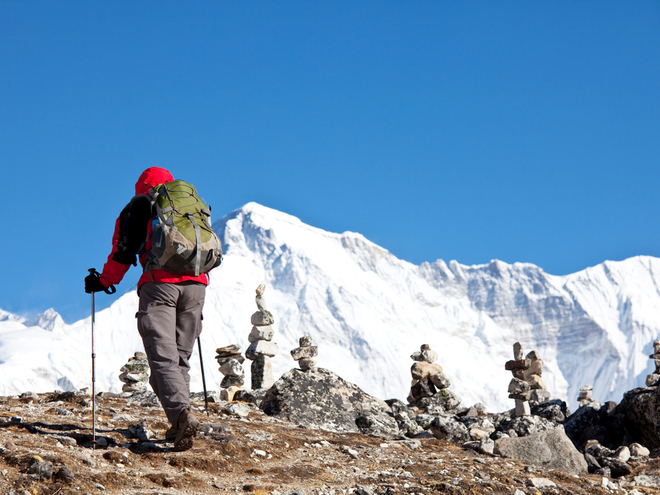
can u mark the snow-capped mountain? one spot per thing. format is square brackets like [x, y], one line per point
[368, 311]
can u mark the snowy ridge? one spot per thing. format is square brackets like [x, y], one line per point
[368, 311]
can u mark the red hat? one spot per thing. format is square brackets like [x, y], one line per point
[152, 177]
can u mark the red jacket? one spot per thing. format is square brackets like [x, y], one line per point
[132, 236]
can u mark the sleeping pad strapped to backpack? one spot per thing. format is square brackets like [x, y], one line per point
[182, 240]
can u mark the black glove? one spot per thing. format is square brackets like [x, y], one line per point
[93, 283]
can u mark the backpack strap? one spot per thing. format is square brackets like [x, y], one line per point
[198, 246]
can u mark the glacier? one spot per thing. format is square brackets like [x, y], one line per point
[368, 311]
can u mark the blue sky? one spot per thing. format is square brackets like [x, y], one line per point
[522, 131]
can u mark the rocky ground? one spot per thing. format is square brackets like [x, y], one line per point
[45, 448]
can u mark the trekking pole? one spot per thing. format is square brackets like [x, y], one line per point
[201, 363]
[108, 290]
[92, 271]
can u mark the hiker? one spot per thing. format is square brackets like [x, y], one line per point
[169, 317]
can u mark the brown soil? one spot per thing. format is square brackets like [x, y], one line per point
[257, 455]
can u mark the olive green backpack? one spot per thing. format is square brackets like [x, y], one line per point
[182, 240]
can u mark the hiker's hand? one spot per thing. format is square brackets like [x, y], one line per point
[93, 283]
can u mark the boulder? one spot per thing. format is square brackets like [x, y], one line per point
[553, 410]
[522, 426]
[441, 402]
[640, 409]
[596, 421]
[447, 428]
[547, 449]
[319, 398]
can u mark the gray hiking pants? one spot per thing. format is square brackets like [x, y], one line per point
[169, 320]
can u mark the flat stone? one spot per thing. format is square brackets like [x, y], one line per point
[228, 351]
[232, 368]
[586, 388]
[655, 356]
[135, 366]
[261, 348]
[423, 369]
[238, 357]
[261, 333]
[518, 365]
[524, 396]
[549, 449]
[262, 318]
[237, 409]
[134, 387]
[540, 483]
[232, 381]
[133, 377]
[304, 352]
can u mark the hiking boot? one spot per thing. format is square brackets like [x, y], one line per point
[187, 426]
[170, 435]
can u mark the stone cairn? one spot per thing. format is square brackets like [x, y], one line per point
[427, 376]
[261, 346]
[584, 398]
[539, 392]
[135, 373]
[305, 354]
[231, 366]
[519, 389]
[653, 380]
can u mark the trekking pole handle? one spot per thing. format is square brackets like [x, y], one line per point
[108, 290]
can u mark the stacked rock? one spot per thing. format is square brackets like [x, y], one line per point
[519, 389]
[427, 376]
[135, 373]
[261, 346]
[653, 380]
[231, 366]
[584, 398]
[305, 354]
[539, 392]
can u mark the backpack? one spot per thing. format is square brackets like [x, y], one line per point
[182, 240]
